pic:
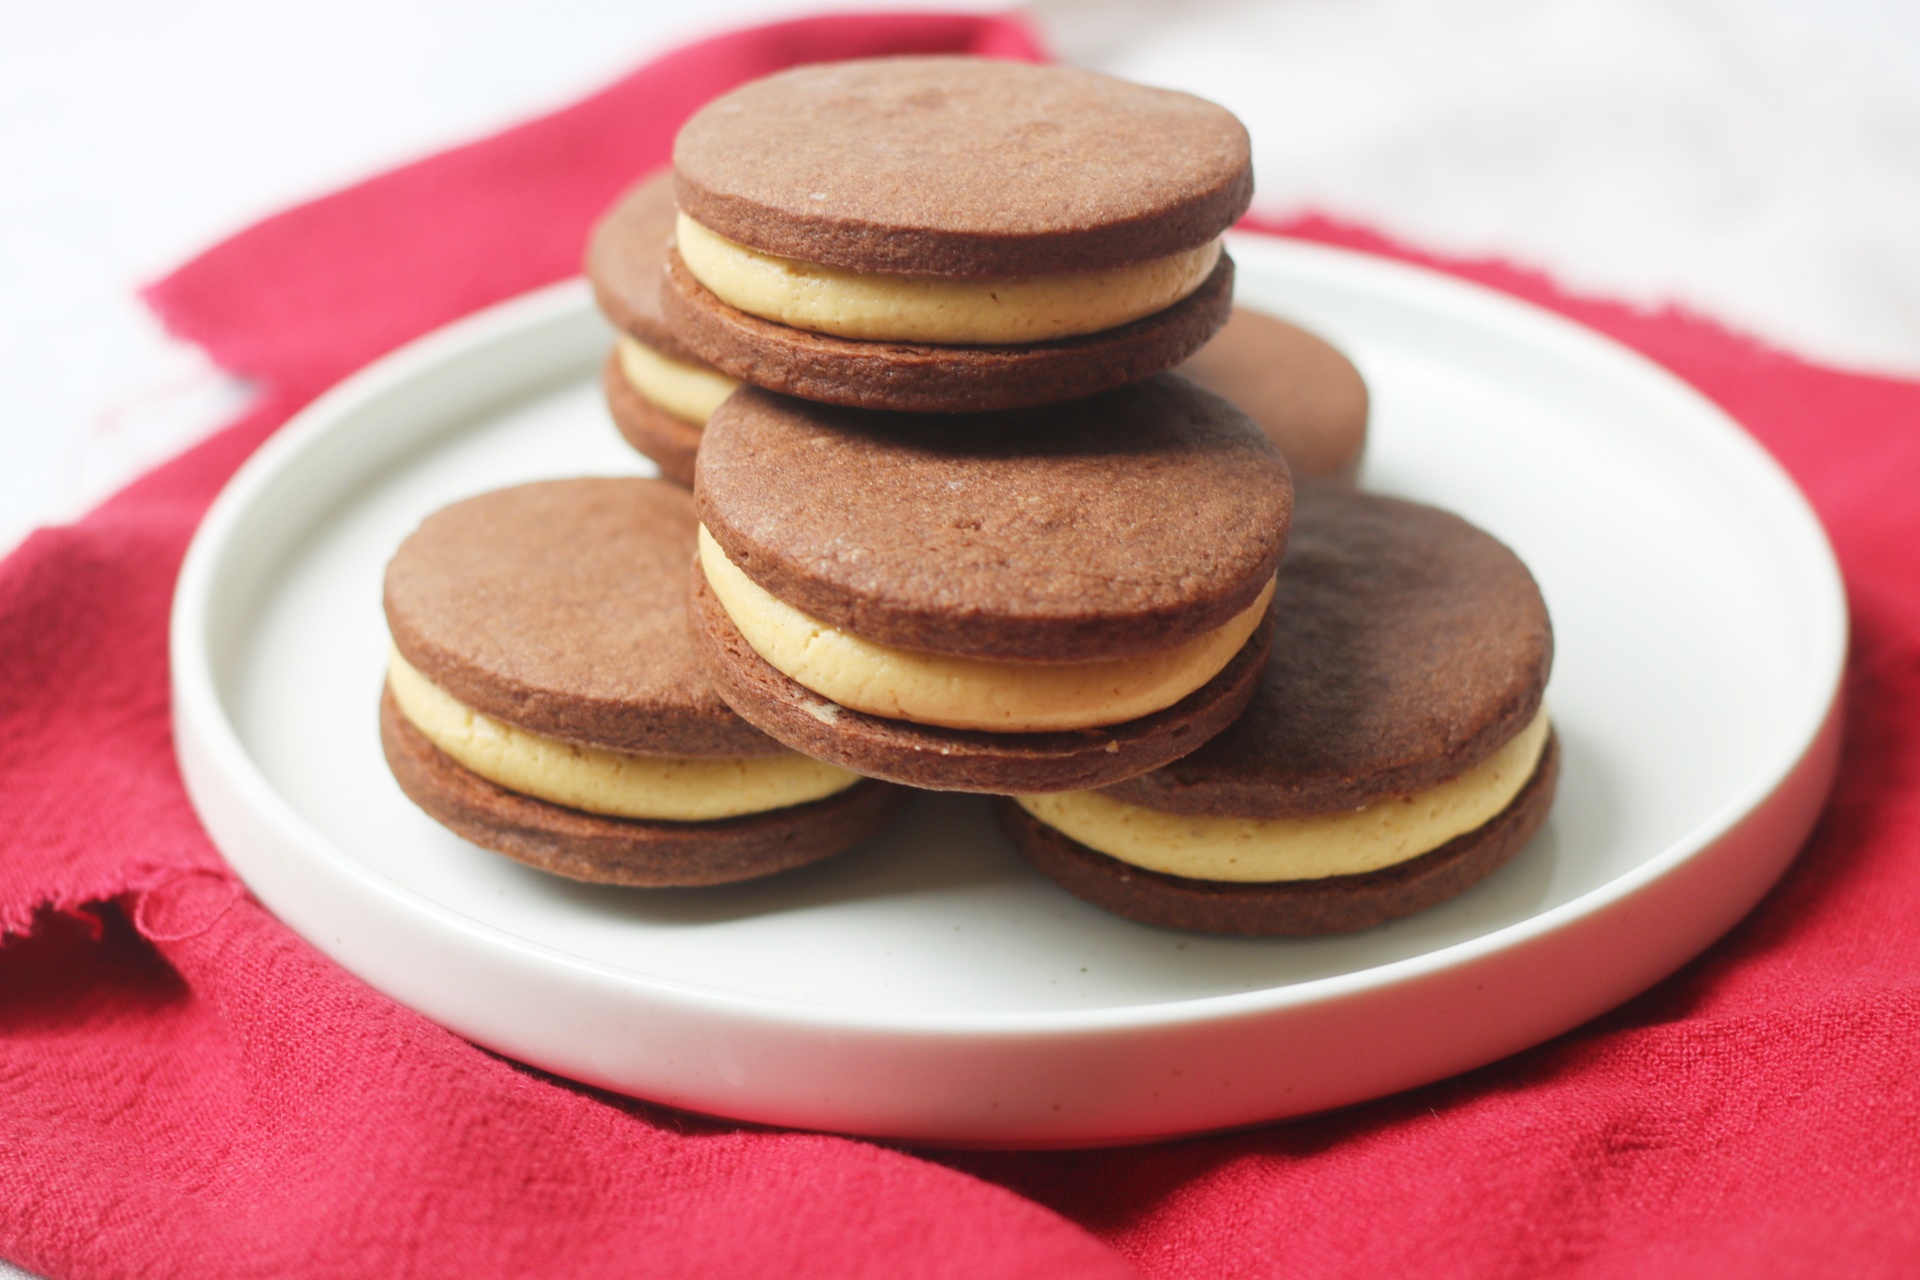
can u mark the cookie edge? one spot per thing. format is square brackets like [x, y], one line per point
[1298, 908]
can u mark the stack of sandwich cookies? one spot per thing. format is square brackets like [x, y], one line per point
[962, 529]
[950, 234]
[659, 391]
[1046, 600]
[544, 700]
[1396, 752]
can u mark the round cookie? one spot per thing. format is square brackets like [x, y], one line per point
[952, 234]
[962, 167]
[1044, 600]
[1306, 396]
[546, 700]
[1109, 527]
[1410, 661]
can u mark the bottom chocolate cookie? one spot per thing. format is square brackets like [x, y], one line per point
[1288, 908]
[624, 851]
[939, 759]
[919, 377]
[656, 433]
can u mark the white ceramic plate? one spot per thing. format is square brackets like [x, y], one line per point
[928, 987]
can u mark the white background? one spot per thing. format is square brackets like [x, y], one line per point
[1757, 160]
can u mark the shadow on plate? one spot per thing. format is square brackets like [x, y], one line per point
[949, 847]
[941, 844]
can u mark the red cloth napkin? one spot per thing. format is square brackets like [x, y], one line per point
[187, 1089]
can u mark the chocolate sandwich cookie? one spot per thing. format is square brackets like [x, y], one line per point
[1036, 600]
[947, 234]
[659, 391]
[1395, 752]
[543, 698]
[1305, 395]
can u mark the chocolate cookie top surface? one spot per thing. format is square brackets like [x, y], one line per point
[962, 167]
[1303, 393]
[1110, 527]
[560, 607]
[1410, 646]
[626, 259]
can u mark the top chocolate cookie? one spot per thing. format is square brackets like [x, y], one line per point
[962, 167]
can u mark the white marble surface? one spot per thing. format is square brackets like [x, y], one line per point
[1758, 160]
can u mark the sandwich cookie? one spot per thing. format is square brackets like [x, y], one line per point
[1040, 600]
[659, 391]
[946, 234]
[1396, 751]
[543, 698]
[1303, 393]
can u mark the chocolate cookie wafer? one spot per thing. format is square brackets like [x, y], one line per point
[945, 234]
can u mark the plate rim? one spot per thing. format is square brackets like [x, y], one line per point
[199, 710]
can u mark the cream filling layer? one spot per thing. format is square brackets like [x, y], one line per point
[1265, 850]
[966, 693]
[892, 308]
[614, 783]
[689, 392]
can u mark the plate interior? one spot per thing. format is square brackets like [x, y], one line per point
[1686, 659]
